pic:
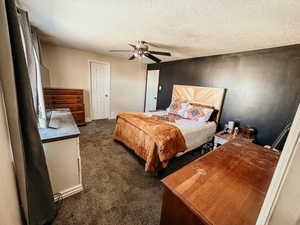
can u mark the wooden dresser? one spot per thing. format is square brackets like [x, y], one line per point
[57, 98]
[225, 187]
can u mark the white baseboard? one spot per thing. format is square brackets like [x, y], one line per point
[68, 192]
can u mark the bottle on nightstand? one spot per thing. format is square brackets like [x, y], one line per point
[236, 131]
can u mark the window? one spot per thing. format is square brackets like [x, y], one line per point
[32, 55]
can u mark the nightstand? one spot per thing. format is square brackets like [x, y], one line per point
[221, 138]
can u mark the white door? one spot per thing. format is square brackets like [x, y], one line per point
[151, 90]
[100, 90]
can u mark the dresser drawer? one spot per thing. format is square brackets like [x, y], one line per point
[64, 99]
[56, 98]
[50, 91]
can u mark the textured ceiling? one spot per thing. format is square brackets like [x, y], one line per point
[187, 28]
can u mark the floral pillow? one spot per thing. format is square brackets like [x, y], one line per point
[199, 113]
[178, 108]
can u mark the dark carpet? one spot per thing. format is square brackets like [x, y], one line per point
[117, 191]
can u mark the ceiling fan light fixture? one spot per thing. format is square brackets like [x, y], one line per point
[141, 50]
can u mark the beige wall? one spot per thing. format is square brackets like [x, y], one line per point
[9, 203]
[69, 68]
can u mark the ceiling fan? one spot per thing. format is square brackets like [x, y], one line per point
[142, 50]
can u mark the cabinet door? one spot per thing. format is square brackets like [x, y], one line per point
[63, 161]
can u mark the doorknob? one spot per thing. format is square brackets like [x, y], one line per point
[106, 95]
[155, 97]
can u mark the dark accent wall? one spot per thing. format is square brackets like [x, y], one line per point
[263, 86]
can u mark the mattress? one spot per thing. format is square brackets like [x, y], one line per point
[195, 133]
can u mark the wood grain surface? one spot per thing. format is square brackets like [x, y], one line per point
[226, 186]
[57, 98]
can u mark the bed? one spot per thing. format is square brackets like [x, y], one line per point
[159, 136]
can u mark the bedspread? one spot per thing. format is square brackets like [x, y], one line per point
[151, 138]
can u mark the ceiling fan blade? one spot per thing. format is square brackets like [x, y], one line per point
[132, 45]
[160, 53]
[152, 57]
[131, 57]
[120, 50]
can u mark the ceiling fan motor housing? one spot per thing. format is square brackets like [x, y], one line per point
[140, 49]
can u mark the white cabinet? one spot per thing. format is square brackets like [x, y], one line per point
[64, 166]
[61, 147]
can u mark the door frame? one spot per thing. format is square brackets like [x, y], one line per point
[281, 172]
[145, 99]
[90, 87]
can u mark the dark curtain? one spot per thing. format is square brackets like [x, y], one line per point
[40, 203]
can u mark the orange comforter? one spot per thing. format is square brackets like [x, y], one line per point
[151, 138]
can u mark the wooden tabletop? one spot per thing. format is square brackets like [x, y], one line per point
[226, 186]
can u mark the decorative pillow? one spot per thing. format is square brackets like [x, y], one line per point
[178, 108]
[202, 105]
[199, 113]
[213, 115]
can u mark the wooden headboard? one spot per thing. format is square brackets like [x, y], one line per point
[200, 95]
